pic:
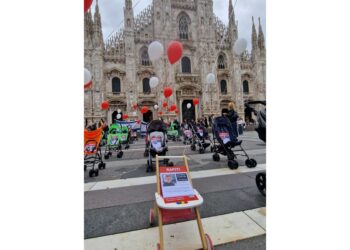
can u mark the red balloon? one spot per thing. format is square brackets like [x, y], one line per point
[176, 111]
[135, 106]
[173, 107]
[104, 105]
[165, 104]
[174, 51]
[168, 92]
[87, 4]
[87, 85]
[144, 109]
[160, 112]
[195, 101]
[125, 116]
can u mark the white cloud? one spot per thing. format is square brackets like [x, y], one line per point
[112, 14]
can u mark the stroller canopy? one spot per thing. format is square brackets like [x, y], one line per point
[156, 125]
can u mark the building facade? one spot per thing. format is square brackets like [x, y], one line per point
[121, 68]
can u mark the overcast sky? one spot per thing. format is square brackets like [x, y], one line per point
[112, 14]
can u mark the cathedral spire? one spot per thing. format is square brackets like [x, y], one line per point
[231, 12]
[232, 23]
[128, 4]
[254, 41]
[261, 38]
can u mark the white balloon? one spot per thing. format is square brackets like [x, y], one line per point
[155, 50]
[119, 116]
[119, 110]
[156, 107]
[240, 46]
[153, 82]
[210, 78]
[87, 76]
[189, 105]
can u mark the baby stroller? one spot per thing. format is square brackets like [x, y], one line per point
[226, 141]
[124, 136]
[92, 151]
[156, 143]
[113, 142]
[260, 178]
[200, 135]
[187, 135]
[172, 132]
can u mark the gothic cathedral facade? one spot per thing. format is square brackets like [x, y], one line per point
[121, 68]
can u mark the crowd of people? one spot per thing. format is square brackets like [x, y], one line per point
[204, 121]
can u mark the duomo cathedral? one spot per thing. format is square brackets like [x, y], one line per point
[121, 67]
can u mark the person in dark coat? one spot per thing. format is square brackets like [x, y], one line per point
[233, 116]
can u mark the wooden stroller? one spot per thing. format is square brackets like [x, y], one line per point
[173, 204]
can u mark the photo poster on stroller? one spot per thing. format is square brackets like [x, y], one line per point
[225, 137]
[156, 142]
[114, 140]
[200, 131]
[90, 148]
[176, 186]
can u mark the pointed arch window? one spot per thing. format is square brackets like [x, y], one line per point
[221, 62]
[186, 65]
[223, 87]
[144, 57]
[183, 27]
[116, 85]
[245, 87]
[145, 86]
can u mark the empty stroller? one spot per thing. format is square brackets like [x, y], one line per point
[223, 133]
[156, 143]
[113, 142]
[124, 136]
[92, 151]
[200, 137]
[172, 132]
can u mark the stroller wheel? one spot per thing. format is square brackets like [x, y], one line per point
[102, 165]
[93, 172]
[120, 154]
[85, 167]
[260, 180]
[201, 150]
[209, 242]
[250, 163]
[232, 164]
[106, 157]
[216, 157]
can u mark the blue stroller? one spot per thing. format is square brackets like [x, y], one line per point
[226, 142]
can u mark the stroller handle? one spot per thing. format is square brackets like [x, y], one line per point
[172, 157]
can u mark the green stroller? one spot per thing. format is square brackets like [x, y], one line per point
[173, 133]
[113, 142]
[123, 135]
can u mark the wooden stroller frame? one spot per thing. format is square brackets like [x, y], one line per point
[160, 205]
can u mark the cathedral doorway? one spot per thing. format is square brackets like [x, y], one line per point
[188, 114]
[148, 116]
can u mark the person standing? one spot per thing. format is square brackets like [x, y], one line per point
[206, 122]
[233, 116]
